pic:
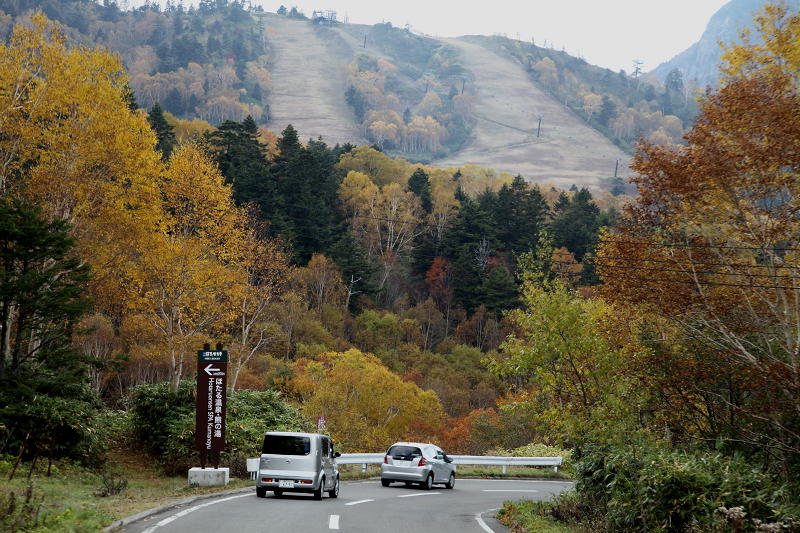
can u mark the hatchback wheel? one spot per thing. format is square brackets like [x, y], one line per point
[385, 482]
[428, 483]
[451, 482]
[334, 492]
[261, 492]
[318, 492]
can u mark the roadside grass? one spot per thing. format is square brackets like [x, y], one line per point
[68, 500]
[525, 516]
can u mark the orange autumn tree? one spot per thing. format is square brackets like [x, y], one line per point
[711, 246]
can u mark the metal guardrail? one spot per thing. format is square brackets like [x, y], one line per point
[365, 459]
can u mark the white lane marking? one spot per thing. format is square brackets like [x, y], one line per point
[190, 510]
[414, 495]
[359, 501]
[482, 523]
[333, 521]
[509, 490]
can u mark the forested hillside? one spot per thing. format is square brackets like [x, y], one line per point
[207, 62]
[410, 95]
[620, 105]
[654, 344]
[407, 91]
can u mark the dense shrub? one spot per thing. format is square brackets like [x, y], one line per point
[54, 426]
[164, 421]
[654, 489]
[535, 449]
[155, 409]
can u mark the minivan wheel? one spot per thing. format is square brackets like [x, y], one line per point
[318, 492]
[386, 482]
[451, 482]
[428, 483]
[334, 492]
[261, 492]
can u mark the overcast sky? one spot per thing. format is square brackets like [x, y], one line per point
[609, 33]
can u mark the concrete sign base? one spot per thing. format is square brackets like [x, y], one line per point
[209, 477]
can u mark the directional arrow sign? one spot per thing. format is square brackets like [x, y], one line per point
[211, 371]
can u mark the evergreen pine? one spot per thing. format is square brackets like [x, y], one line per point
[164, 132]
[499, 290]
[44, 398]
[576, 224]
[420, 184]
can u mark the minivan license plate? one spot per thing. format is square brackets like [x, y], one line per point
[285, 483]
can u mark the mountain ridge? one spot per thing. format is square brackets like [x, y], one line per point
[700, 61]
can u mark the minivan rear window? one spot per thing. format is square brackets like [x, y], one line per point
[404, 453]
[286, 445]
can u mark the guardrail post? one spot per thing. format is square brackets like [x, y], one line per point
[504, 469]
[363, 467]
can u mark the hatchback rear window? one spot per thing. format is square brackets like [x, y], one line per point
[286, 445]
[404, 453]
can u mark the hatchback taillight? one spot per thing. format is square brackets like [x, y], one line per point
[422, 461]
[386, 459]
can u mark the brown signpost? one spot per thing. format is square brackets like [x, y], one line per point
[212, 370]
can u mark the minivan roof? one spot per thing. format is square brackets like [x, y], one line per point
[294, 434]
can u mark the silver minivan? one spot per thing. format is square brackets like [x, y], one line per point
[297, 462]
[417, 462]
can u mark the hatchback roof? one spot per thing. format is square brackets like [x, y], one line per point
[417, 444]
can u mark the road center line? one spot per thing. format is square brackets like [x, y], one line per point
[333, 521]
[359, 501]
[481, 523]
[191, 510]
[509, 490]
[414, 495]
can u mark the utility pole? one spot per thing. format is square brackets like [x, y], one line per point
[463, 84]
[365, 40]
[539, 127]
[616, 167]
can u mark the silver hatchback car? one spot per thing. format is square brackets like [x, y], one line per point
[417, 462]
[298, 462]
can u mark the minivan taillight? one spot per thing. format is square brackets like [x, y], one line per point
[386, 459]
[422, 461]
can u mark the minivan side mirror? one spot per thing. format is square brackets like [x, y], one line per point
[336, 454]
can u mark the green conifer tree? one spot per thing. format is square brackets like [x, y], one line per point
[164, 132]
[420, 184]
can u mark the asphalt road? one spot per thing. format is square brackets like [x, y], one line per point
[362, 506]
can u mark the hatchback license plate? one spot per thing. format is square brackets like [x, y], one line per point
[286, 483]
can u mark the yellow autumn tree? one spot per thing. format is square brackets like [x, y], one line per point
[381, 168]
[191, 276]
[71, 144]
[367, 406]
[774, 51]
[386, 219]
[267, 268]
[547, 71]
